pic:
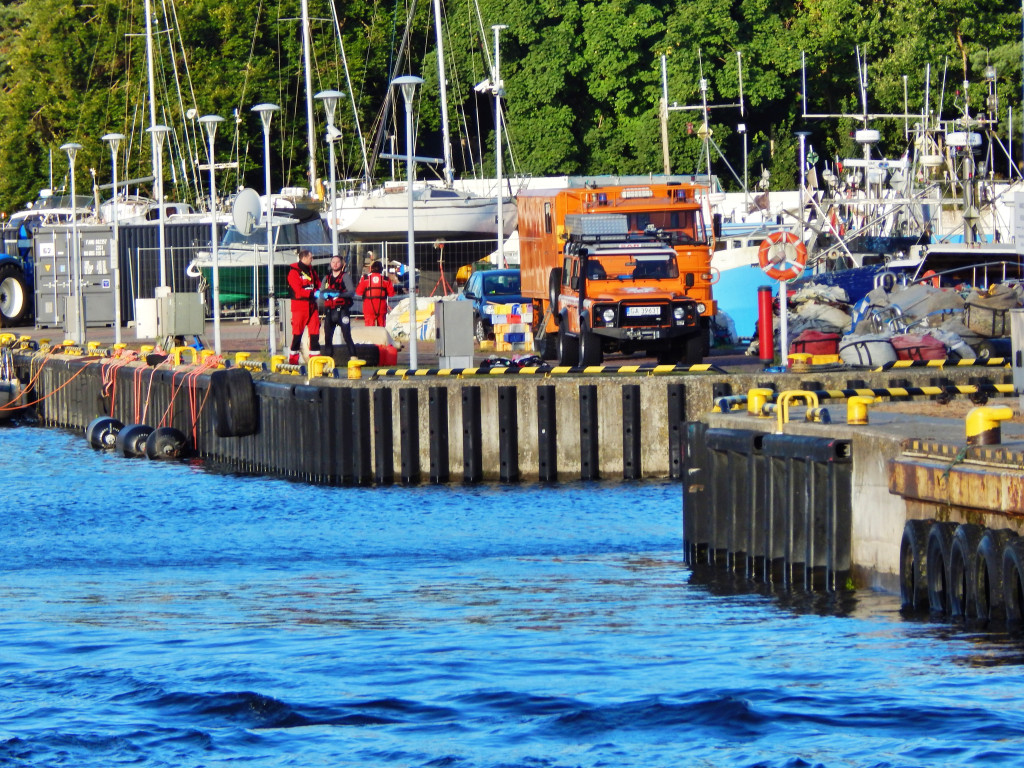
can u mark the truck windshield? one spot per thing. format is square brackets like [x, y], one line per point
[684, 227]
[632, 267]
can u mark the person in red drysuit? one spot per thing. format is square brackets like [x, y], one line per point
[375, 289]
[303, 282]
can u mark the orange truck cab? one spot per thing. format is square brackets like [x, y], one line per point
[617, 269]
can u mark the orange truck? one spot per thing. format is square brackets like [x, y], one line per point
[617, 269]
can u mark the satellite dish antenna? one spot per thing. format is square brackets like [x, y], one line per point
[245, 213]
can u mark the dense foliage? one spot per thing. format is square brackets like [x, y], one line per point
[582, 81]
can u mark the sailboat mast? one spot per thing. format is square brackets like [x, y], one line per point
[307, 58]
[443, 83]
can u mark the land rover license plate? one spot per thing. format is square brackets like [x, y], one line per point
[643, 311]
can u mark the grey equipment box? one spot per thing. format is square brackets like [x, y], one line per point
[52, 254]
[454, 327]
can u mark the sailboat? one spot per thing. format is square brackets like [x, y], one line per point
[438, 211]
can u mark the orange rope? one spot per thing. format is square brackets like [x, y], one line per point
[8, 407]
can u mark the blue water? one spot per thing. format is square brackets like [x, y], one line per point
[163, 615]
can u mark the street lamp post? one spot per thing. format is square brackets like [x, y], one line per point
[498, 93]
[76, 251]
[266, 113]
[408, 85]
[330, 100]
[209, 123]
[159, 133]
[114, 141]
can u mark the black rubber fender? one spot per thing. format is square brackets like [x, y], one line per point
[102, 432]
[234, 402]
[913, 584]
[988, 578]
[1013, 583]
[940, 541]
[131, 441]
[963, 571]
[166, 443]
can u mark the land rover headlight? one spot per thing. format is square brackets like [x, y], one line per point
[679, 313]
[701, 308]
[608, 316]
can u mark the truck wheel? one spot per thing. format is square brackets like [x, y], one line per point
[590, 348]
[568, 347]
[14, 294]
[554, 287]
[694, 349]
[549, 346]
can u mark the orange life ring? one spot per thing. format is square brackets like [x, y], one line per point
[935, 279]
[782, 256]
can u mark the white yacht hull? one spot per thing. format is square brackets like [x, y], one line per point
[384, 215]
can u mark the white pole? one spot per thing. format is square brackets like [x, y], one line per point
[449, 173]
[266, 113]
[114, 140]
[76, 252]
[408, 85]
[306, 57]
[497, 138]
[159, 133]
[330, 100]
[209, 122]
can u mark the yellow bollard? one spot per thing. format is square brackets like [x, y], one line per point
[756, 399]
[145, 349]
[857, 409]
[355, 368]
[276, 362]
[7, 339]
[241, 357]
[983, 426]
[320, 365]
[177, 352]
[92, 346]
[799, 361]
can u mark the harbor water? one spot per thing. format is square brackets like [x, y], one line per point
[162, 614]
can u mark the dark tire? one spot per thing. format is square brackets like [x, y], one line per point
[913, 584]
[988, 578]
[234, 402]
[368, 353]
[480, 328]
[166, 443]
[554, 287]
[15, 296]
[102, 432]
[131, 441]
[1013, 583]
[568, 347]
[940, 541]
[693, 352]
[963, 570]
[549, 346]
[590, 348]
[671, 357]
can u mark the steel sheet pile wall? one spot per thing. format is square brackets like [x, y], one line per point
[772, 508]
[364, 433]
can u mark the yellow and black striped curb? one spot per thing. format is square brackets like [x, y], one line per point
[993, 362]
[545, 370]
